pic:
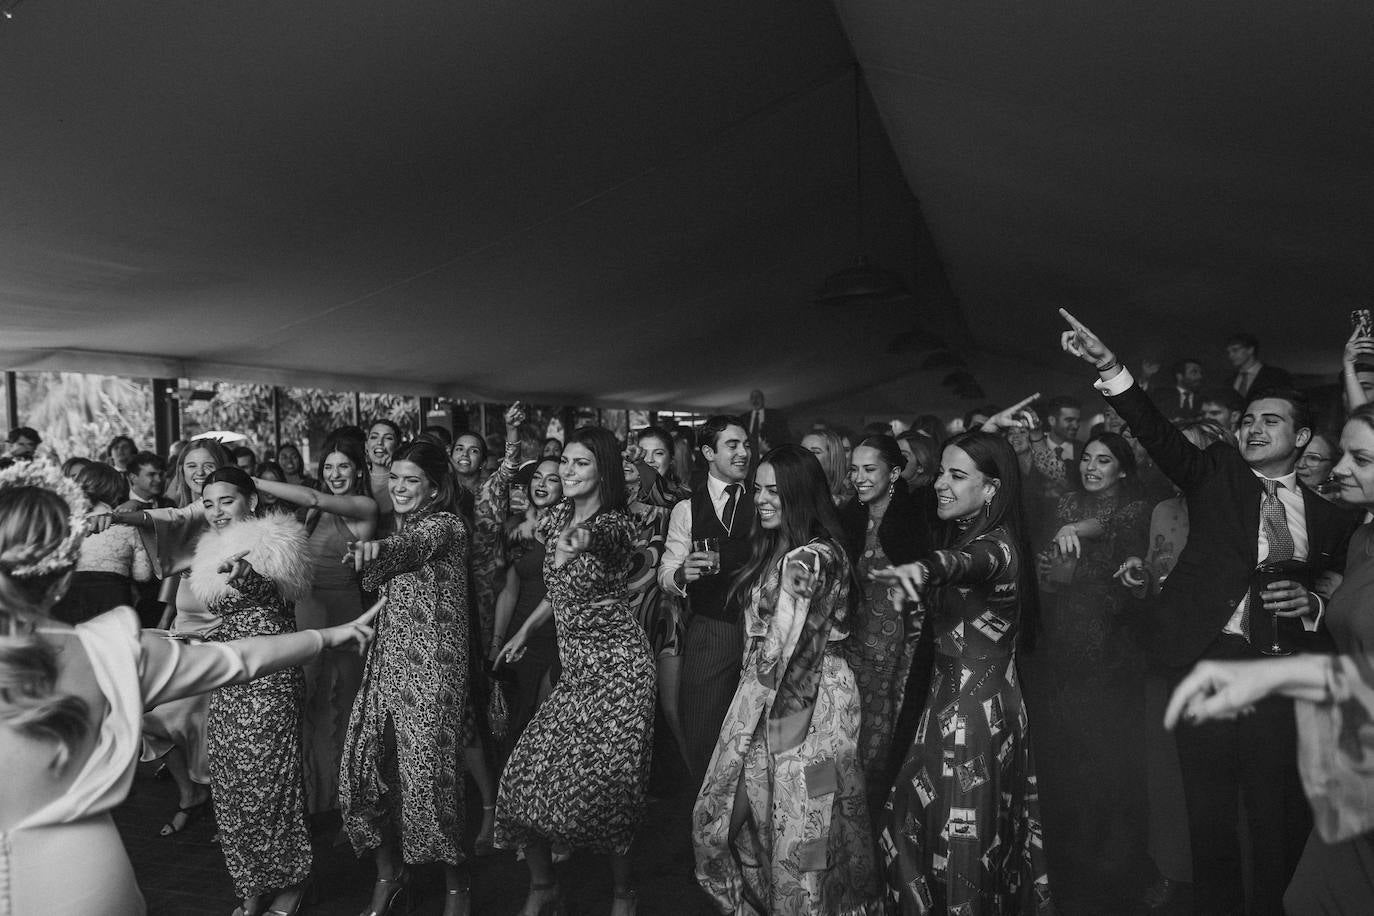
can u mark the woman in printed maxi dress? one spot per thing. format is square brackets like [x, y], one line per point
[781, 826]
[963, 832]
[401, 782]
[577, 777]
[250, 572]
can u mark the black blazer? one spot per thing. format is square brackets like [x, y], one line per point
[1166, 399]
[1267, 377]
[1223, 497]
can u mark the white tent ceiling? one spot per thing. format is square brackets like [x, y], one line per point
[634, 203]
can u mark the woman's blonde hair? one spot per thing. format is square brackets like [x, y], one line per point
[34, 525]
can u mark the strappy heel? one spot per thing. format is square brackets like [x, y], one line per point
[395, 892]
[189, 814]
[306, 895]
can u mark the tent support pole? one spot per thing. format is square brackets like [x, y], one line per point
[166, 414]
[12, 399]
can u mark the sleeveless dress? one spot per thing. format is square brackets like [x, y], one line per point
[332, 680]
[180, 723]
[578, 774]
[963, 831]
[541, 651]
[74, 834]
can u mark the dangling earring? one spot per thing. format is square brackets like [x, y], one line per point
[891, 487]
[987, 506]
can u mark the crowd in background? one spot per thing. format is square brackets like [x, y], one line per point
[921, 668]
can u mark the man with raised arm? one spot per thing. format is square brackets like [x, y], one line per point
[1245, 508]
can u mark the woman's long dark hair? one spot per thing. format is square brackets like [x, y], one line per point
[1125, 457]
[610, 470]
[808, 513]
[351, 449]
[433, 461]
[993, 457]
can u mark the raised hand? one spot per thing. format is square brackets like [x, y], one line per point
[1014, 417]
[1131, 573]
[515, 415]
[1358, 349]
[1219, 690]
[574, 542]
[799, 574]
[358, 632]
[1080, 341]
[362, 554]
[911, 576]
[237, 567]
[633, 453]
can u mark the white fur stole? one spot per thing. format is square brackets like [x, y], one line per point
[277, 550]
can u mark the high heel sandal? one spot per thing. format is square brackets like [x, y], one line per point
[395, 887]
[307, 890]
[553, 906]
[630, 898]
[189, 815]
[485, 846]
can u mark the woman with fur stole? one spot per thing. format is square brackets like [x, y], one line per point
[250, 571]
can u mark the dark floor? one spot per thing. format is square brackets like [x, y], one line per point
[184, 875]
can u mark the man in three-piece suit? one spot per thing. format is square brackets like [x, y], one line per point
[1245, 507]
[1251, 374]
[713, 645]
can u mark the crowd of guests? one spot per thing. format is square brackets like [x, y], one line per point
[913, 671]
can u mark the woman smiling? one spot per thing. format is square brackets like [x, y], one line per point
[1086, 686]
[341, 510]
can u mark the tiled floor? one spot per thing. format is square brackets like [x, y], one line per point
[184, 875]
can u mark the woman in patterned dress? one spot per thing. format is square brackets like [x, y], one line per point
[884, 525]
[1086, 690]
[401, 782]
[962, 834]
[250, 571]
[578, 775]
[780, 827]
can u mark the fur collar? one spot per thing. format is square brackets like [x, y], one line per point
[276, 546]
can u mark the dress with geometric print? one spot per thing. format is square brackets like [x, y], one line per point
[578, 774]
[962, 834]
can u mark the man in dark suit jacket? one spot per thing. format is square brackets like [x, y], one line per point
[1251, 374]
[1244, 506]
[1183, 401]
[767, 426]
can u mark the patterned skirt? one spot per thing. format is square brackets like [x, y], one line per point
[577, 776]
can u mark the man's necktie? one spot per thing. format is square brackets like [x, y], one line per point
[1274, 523]
[731, 504]
[1187, 400]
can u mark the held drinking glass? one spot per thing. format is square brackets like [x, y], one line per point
[711, 548]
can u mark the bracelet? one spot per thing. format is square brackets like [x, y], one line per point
[1113, 363]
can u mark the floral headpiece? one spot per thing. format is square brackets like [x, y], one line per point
[48, 476]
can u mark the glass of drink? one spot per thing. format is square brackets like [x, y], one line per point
[1274, 641]
[711, 548]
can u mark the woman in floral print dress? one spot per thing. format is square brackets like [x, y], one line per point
[250, 571]
[401, 783]
[578, 774]
[780, 827]
[963, 833]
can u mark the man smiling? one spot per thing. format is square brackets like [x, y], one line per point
[1245, 508]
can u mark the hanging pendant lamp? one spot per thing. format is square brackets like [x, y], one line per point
[865, 283]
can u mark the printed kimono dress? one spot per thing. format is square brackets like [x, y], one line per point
[791, 740]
